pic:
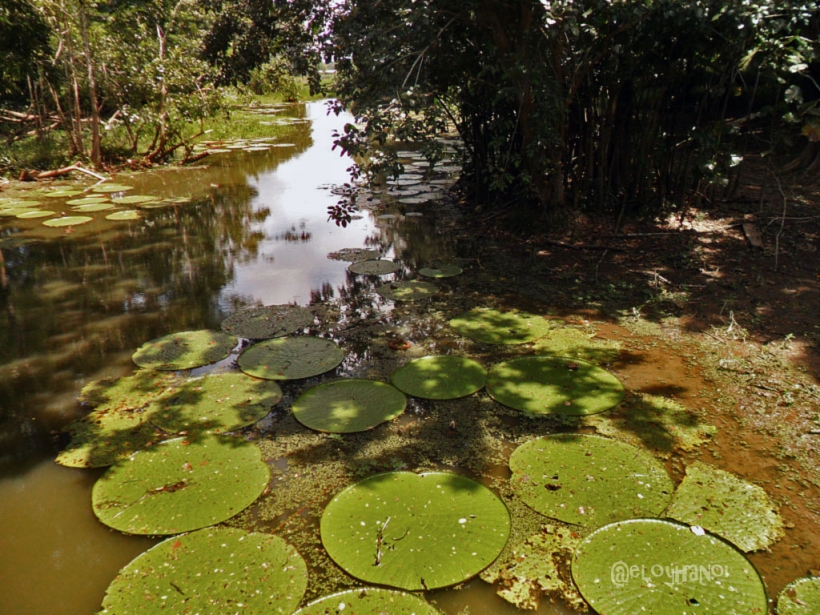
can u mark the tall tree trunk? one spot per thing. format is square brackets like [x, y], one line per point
[96, 154]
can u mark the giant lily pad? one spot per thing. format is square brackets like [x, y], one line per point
[92, 207]
[215, 403]
[491, 326]
[127, 214]
[665, 568]
[369, 600]
[354, 255]
[727, 505]
[68, 221]
[290, 358]
[442, 377]
[801, 597]
[415, 531]
[134, 199]
[60, 194]
[589, 480]
[129, 392]
[184, 350]
[540, 386]
[569, 342]
[180, 485]
[267, 321]
[37, 213]
[110, 188]
[348, 406]
[88, 200]
[211, 572]
[444, 271]
[374, 267]
[411, 290]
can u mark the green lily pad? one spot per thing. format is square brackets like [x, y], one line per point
[93, 207]
[180, 485]
[184, 350]
[664, 568]
[290, 358]
[268, 321]
[348, 406]
[61, 194]
[214, 403]
[411, 290]
[128, 214]
[589, 480]
[68, 221]
[374, 267]
[129, 392]
[354, 255]
[39, 213]
[575, 344]
[542, 386]
[13, 212]
[445, 271]
[800, 597]
[491, 326]
[109, 188]
[442, 377]
[415, 531]
[88, 200]
[211, 571]
[369, 600]
[728, 506]
[134, 199]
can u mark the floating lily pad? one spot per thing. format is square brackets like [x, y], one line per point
[369, 600]
[109, 188]
[184, 350]
[128, 214]
[180, 485]
[268, 321]
[88, 200]
[93, 207]
[445, 271]
[541, 386]
[664, 568]
[129, 392]
[215, 403]
[589, 480]
[290, 358]
[348, 406]
[415, 531]
[39, 213]
[354, 255]
[411, 290]
[374, 267]
[443, 377]
[13, 212]
[569, 342]
[491, 326]
[68, 221]
[800, 597]
[61, 194]
[728, 506]
[134, 199]
[211, 572]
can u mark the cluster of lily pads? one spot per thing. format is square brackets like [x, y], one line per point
[226, 146]
[638, 544]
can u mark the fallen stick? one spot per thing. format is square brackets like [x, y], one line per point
[38, 175]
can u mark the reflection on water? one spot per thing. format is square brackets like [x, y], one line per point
[76, 303]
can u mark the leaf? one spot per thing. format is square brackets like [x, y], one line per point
[184, 350]
[411, 290]
[369, 600]
[348, 406]
[569, 342]
[68, 221]
[589, 480]
[444, 271]
[415, 531]
[290, 358]
[441, 377]
[109, 188]
[800, 597]
[660, 567]
[211, 571]
[267, 321]
[354, 254]
[491, 326]
[374, 267]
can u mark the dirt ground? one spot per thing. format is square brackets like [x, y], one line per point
[722, 312]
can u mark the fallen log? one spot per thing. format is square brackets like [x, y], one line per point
[28, 176]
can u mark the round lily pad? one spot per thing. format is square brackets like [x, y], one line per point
[415, 531]
[134, 199]
[664, 568]
[90, 207]
[411, 290]
[215, 403]
[354, 255]
[128, 214]
[68, 221]
[541, 386]
[727, 505]
[60, 194]
[589, 480]
[180, 485]
[211, 571]
[129, 392]
[268, 321]
[88, 200]
[38, 213]
[348, 406]
[442, 377]
[491, 326]
[109, 188]
[445, 271]
[374, 267]
[369, 600]
[184, 350]
[290, 358]
[800, 597]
